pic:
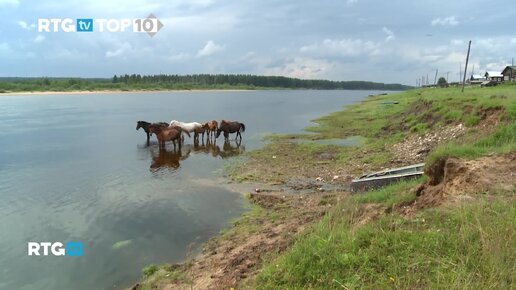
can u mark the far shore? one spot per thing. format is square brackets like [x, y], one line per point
[116, 92]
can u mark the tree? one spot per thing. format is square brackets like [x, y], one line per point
[442, 82]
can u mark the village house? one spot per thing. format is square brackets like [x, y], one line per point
[476, 79]
[509, 73]
[494, 76]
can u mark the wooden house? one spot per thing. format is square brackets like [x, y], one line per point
[494, 76]
[509, 73]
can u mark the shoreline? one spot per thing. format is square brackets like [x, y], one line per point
[118, 92]
[252, 252]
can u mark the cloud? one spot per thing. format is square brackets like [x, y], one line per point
[209, 49]
[120, 51]
[305, 68]
[39, 38]
[10, 2]
[26, 26]
[179, 57]
[390, 34]
[445, 21]
[341, 47]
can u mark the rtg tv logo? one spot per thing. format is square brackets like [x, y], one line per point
[55, 249]
[150, 25]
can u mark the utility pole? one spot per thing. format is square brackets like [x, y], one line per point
[435, 79]
[447, 73]
[460, 71]
[466, 67]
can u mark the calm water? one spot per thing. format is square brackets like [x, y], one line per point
[73, 168]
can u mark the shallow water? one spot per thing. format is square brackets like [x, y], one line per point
[73, 168]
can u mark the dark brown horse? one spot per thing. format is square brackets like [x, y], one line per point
[229, 127]
[211, 128]
[167, 134]
[145, 126]
[197, 131]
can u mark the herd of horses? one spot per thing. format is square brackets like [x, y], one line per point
[175, 130]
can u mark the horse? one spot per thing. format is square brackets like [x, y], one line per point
[196, 128]
[145, 126]
[169, 133]
[211, 127]
[229, 128]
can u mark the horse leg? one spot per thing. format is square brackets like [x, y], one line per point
[148, 138]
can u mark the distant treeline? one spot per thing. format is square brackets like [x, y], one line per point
[183, 82]
[256, 81]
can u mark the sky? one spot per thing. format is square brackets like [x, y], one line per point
[394, 41]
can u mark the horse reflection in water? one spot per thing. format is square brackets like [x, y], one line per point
[169, 159]
[211, 148]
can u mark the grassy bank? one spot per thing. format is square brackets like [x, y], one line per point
[468, 246]
[410, 235]
[381, 124]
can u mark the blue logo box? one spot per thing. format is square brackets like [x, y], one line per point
[84, 25]
[74, 249]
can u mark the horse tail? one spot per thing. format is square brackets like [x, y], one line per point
[242, 127]
[186, 132]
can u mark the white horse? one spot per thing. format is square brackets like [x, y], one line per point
[196, 128]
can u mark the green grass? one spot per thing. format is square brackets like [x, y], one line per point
[154, 276]
[503, 140]
[471, 247]
[390, 195]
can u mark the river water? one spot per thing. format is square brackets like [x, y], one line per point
[73, 168]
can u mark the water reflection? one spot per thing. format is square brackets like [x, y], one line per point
[171, 158]
[229, 149]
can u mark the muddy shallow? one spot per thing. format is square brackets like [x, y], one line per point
[73, 168]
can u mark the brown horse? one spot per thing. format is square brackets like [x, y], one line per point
[230, 127]
[197, 131]
[163, 134]
[145, 126]
[211, 128]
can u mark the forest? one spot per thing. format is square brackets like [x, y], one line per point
[136, 82]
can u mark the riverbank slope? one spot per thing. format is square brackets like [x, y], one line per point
[304, 229]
